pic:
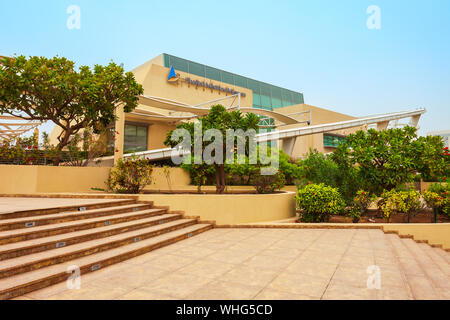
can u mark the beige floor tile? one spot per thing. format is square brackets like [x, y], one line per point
[232, 256]
[143, 294]
[194, 252]
[89, 293]
[269, 262]
[177, 285]
[215, 244]
[308, 267]
[339, 291]
[219, 290]
[299, 284]
[421, 288]
[207, 268]
[361, 261]
[288, 244]
[271, 294]
[282, 252]
[144, 258]
[47, 292]
[326, 257]
[131, 278]
[169, 262]
[23, 298]
[393, 293]
[252, 276]
[356, 277]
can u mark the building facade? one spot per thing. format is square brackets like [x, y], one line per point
[176, 90]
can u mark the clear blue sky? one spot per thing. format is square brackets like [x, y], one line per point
[320, 48]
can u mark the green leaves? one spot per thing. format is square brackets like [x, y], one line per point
[50, 89]
[319, 202]
[393, 157]
[404, 201]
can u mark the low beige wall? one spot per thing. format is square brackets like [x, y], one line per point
[179, 179]
[229, 209]
[41, 179]
[434, 233]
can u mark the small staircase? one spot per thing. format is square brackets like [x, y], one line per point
[38, 246]
[426, 269]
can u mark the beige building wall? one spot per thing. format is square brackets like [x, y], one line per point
[155, 84]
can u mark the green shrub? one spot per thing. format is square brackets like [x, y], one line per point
[333, 171]
[130, 176]
[362, 201]
[354, 213]
[404, 202]
[438, 196]
[292, 171]
[268, 183]
[201, 174]
[319, 202]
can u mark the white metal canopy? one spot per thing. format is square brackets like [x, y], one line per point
[12, 127]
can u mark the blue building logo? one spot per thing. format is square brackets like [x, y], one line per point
[173, 77]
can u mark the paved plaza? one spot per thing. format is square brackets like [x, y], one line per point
[264, 264]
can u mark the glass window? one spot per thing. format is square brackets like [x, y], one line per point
[240, 81]
[276, 103]
[276, 92]
[265, 89]
[179, 64]
[227, 77]
[298, 98]
[197, 69]
[331, 141]
[266, 102]
[256, 99]
[212, 73]
[253, 85]
[135, 138]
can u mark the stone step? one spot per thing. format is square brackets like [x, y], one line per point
[443, 253]
[43, 259]
[30, 222]
[440, 280]
[437, 257]
[12, 236]
[23, 283]
[47, 211]
[18, 249]
[420, 284]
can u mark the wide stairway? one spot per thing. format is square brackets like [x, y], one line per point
[426, 270]
[38, 246]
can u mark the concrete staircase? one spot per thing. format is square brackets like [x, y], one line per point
[38, 246]
[426, 270]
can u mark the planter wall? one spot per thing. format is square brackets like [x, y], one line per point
[229, 209]
[40, 179]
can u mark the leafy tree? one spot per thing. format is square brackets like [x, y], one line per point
[334, 171]
[218, 118]
[389, 158]
[130, 176]
[50, 89]
[319, 202]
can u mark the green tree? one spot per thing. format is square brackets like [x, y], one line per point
[332, 170]
[50, 89]
[389, 158]
[218, 118]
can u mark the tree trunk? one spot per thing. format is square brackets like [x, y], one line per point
[220, 178]
[217, 178]
[62, 143]
[222, 181]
